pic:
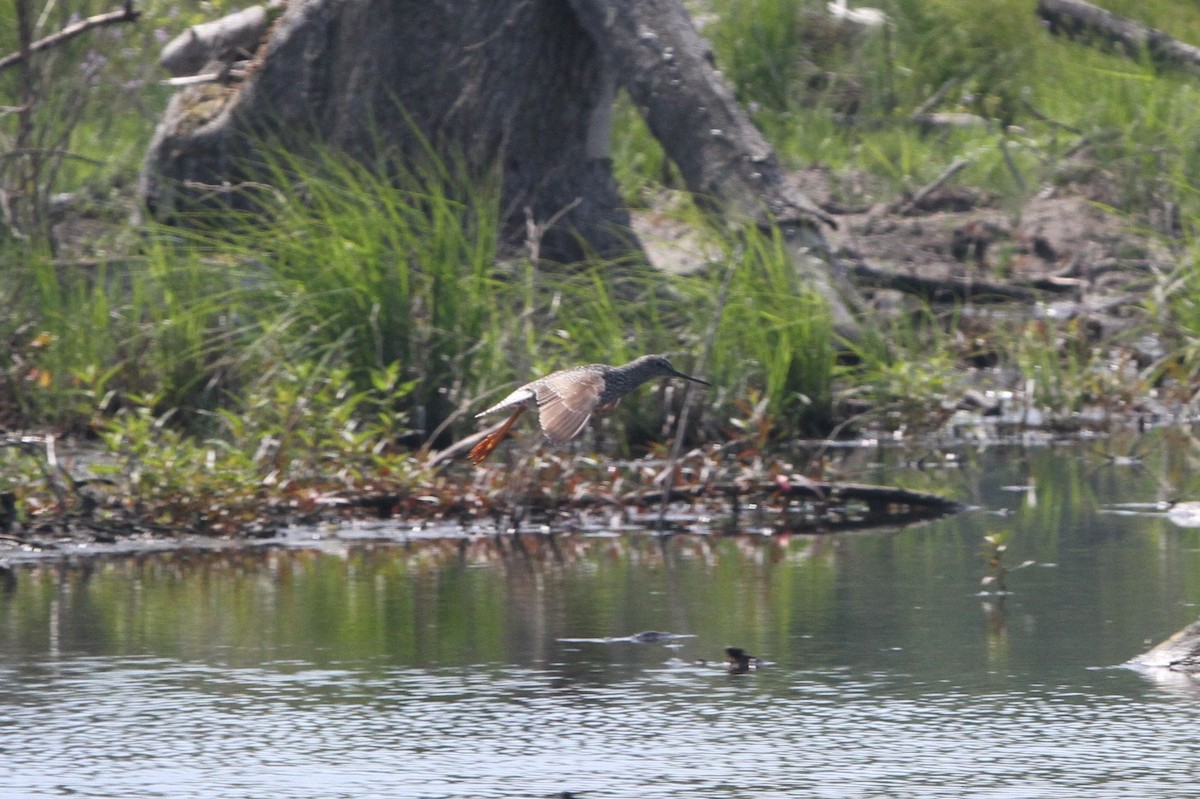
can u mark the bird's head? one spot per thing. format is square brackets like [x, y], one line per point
[659, 366]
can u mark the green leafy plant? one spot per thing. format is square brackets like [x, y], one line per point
[305, 432]
[994, 548]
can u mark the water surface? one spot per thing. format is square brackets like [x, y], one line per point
[472, 669]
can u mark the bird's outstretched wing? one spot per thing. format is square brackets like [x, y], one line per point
[566, 401]
[518, 397]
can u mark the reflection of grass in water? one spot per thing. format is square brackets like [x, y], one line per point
[464, 599]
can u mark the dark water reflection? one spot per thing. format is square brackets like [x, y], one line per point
[441, 670]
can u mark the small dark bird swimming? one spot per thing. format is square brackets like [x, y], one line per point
[739, 661]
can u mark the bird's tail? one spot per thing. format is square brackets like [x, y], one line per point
[489, 442]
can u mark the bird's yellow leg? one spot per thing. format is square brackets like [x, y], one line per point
[489, 442]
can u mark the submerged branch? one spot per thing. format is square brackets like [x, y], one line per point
[877, 498]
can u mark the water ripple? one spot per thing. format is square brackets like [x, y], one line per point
[155, 728]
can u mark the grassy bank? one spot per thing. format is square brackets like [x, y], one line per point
[361, 316]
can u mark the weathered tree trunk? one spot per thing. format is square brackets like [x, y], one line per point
[232, 35]
[509, 83]
[668, 69]
[524, 86]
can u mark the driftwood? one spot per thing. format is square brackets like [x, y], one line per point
[1077, 18]
[126, 13]
[1179, 653]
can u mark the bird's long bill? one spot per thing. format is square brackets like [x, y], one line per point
[689, 377]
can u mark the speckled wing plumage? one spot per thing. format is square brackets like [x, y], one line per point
[566, 400]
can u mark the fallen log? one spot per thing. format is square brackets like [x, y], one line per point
[947, 288]
[1179, 653]
[881, 500]
[835, 505]
[1075, 18]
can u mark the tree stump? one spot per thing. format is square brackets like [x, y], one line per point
[523, 87]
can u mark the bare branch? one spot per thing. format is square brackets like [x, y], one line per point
[127, 13]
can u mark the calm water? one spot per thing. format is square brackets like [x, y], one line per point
[439, 670]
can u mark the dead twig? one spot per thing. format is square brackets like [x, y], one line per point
[1038, 115]
[908, 205]
[46, 151]
[230, 74]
